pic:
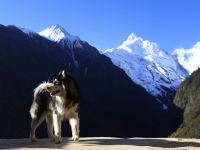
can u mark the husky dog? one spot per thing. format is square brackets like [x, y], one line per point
[55, 102]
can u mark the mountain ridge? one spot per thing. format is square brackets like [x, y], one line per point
[148, 65]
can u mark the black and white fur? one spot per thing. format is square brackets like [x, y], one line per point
[55, 102]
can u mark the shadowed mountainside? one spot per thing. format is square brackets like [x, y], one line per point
[111, 104]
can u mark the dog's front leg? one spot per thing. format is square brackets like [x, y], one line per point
[74, 123]
[57, 119]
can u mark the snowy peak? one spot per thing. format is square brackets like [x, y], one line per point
[147, 65]
[131, 40]
[57, 33]
[189, 58]
[135, 44]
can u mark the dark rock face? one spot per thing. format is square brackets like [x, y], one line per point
[188, 99]
[111, 104]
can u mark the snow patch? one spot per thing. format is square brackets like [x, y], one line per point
[57, 33]
[189, 58]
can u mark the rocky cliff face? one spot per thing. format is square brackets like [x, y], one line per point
[188, 99]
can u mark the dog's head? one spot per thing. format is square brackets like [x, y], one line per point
[59, 84]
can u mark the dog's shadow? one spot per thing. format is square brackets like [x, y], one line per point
[151, 142]
[25, 143]
[89, 142]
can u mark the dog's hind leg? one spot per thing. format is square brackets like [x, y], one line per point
[34, 125]
[49, 121]
[57, 127]
[74, 123]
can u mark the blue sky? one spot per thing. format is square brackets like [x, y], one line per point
[106, 23]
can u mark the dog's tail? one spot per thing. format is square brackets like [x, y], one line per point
[41, 100]
[40, 104]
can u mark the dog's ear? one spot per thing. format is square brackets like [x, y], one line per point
[63, 73]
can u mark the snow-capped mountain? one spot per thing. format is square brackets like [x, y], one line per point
[189, 58]
[147, 65]
[58, 34]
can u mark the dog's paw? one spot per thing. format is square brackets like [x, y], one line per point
[52, 138]
[33, 140]
[75, 138]
[58, 140]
